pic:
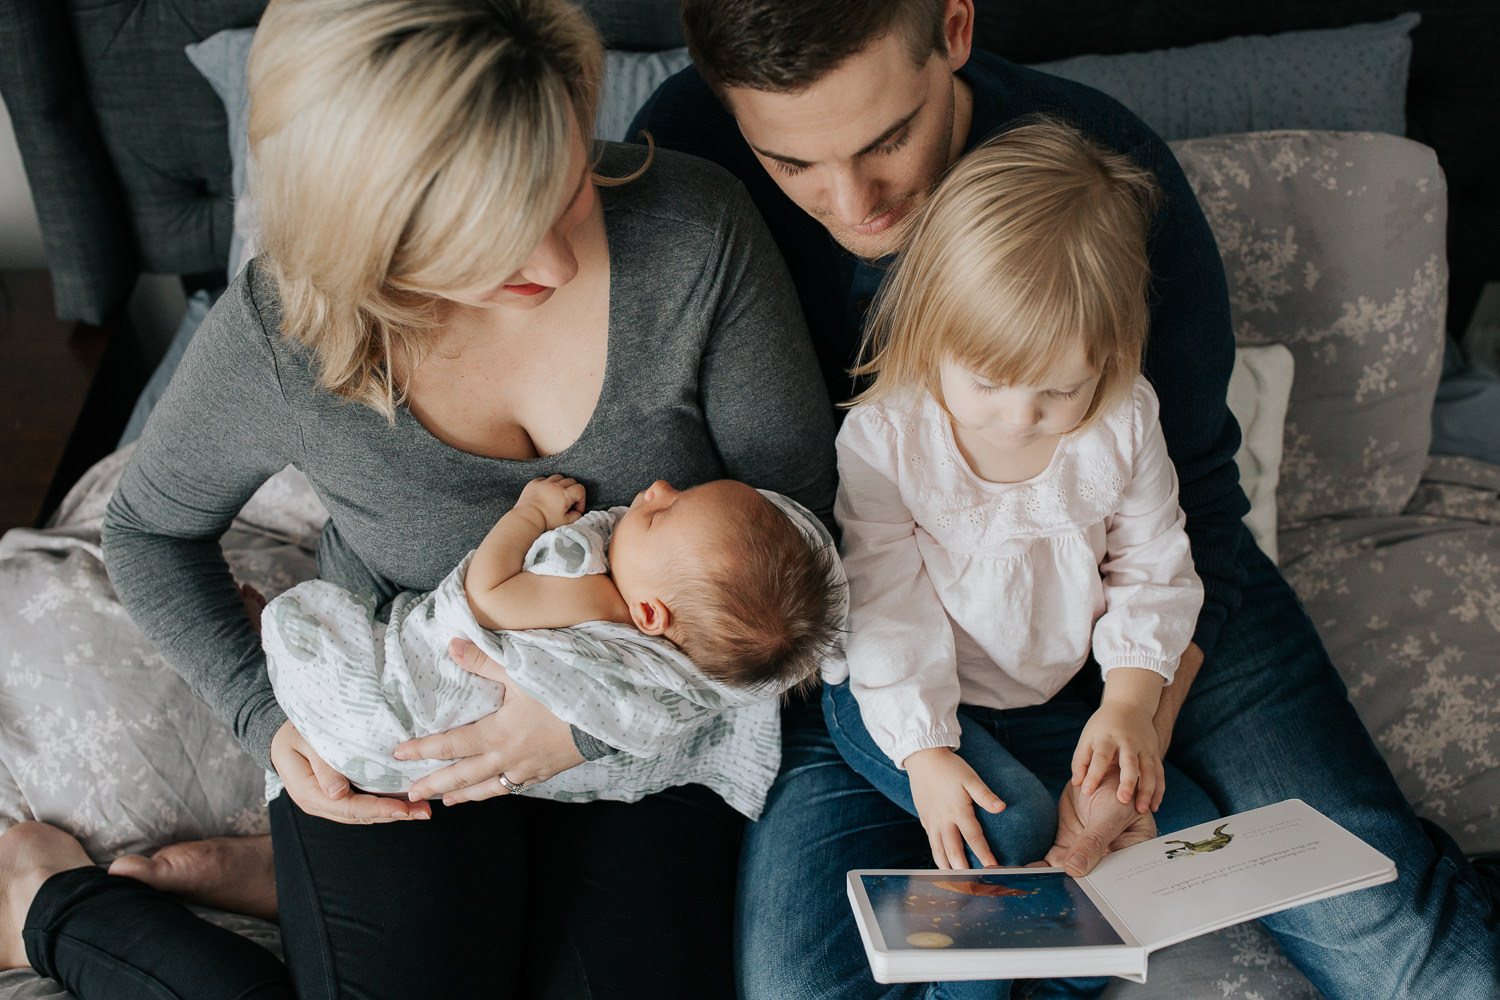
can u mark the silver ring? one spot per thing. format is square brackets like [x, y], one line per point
[510, 786]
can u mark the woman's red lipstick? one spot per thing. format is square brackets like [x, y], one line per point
[527, 289]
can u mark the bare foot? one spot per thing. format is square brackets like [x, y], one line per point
[30, 853]
[228, 873]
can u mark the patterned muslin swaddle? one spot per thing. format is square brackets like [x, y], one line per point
[355, 686]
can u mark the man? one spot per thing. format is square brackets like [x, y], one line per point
[839, 118]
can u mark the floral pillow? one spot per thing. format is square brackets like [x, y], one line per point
[98, 734]
[1333, 244]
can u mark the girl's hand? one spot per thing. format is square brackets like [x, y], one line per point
[1125, 732]
[552, 502]
[945, 790]
[521, 740]
[321, 791]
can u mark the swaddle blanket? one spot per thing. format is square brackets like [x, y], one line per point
[355, 686]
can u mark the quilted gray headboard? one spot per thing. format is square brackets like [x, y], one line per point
[125, 144]
[127, 154]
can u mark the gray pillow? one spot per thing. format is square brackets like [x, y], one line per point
[1333, 244]
[1350, 78]
[98, 734]
[1408, 607]
[1340, 78]
[222, 59]
[630, 78]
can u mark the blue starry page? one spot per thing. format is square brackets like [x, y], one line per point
[922, 925]
[1000, 923]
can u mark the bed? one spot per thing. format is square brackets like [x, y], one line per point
[1349, 252]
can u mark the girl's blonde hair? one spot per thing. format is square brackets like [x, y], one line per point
[406, 148]
[1033, 243]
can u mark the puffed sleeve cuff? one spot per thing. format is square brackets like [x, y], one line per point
[942, 736]
[1167, 668]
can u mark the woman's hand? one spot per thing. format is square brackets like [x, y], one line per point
[321, 791]
[946, 789]
[521, 740]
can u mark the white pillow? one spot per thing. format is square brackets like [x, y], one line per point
[1259, 389]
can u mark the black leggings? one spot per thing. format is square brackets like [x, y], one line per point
[511, 897]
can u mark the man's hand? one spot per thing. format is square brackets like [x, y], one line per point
[551, 502]
[945, 790]
[521, 740]
[1174, 694]
[1091, 826]
[321, 791]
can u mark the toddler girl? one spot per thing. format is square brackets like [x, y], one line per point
[1008, 507]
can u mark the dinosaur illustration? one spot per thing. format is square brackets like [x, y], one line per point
[1213, 843]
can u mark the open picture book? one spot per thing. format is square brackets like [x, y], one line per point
[1033, 923]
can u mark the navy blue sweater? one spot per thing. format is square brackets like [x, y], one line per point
[1190, 350]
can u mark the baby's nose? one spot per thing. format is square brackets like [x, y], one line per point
[659, 490]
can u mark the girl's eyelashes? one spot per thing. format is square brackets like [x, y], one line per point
[1054, 393]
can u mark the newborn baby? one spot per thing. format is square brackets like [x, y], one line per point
[666, 630]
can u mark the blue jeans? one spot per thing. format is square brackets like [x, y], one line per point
[1023, 754]
[1266, 719]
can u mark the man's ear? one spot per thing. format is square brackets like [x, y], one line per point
[651, 616]
[958, 31]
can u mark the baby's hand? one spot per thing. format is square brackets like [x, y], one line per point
[254, 601]
[552, 502]
[1124, 731]
[945, 790]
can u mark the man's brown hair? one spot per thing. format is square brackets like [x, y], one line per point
[784, 46]
[761, 613]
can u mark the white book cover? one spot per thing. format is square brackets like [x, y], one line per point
[1010, 923]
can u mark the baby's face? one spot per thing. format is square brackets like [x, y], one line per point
[667, 530]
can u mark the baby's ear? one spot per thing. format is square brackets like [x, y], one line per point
[651, 616]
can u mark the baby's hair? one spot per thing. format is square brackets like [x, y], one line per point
[763, 614]
[1034, 242]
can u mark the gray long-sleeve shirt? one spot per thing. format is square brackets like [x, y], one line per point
[709, 374]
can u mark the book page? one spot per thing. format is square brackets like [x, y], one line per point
[998, 923]
[1005, 908]
[1234, 869]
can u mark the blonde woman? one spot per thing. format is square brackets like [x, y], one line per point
[1009, 511]
[456, 295]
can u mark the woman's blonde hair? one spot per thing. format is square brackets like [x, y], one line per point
[406, 148]
[1033, 243]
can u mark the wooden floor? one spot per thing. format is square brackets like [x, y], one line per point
[46, 370]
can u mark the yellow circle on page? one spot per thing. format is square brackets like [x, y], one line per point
[928, 939]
